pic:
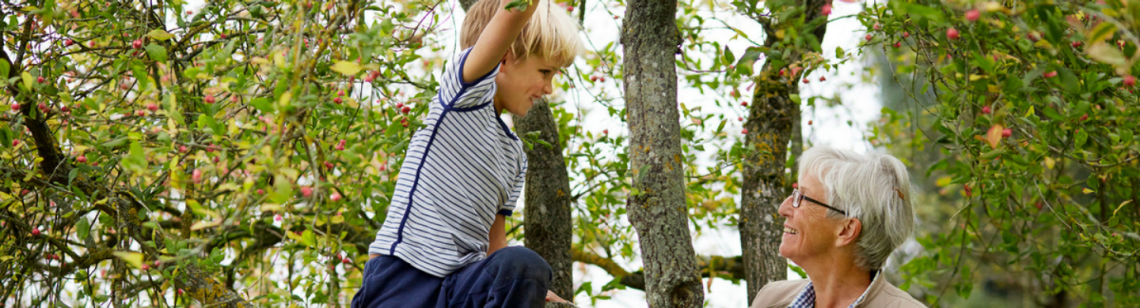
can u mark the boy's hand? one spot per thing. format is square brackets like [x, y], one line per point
[551, 297]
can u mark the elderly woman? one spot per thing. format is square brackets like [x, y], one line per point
[848, 212]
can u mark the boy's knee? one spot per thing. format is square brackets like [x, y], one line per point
[522, 261]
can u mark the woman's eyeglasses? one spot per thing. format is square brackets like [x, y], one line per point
[798, 197]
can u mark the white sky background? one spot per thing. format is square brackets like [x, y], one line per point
[830, 124]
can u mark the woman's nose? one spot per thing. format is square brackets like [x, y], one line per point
[785, 207]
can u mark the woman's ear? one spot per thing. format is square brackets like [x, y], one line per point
[849, 232]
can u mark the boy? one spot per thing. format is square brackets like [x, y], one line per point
[443, 243]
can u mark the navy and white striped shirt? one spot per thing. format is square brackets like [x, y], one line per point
[461, 169]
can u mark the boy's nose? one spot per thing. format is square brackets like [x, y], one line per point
[548, 88]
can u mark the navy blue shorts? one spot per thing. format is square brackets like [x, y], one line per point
[511, 277]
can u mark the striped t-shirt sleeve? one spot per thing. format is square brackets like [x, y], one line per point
[471, 93]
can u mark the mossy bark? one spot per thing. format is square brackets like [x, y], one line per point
[657, 206]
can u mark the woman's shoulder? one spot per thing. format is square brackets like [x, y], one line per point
[778, 293]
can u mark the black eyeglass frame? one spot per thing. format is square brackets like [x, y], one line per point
[798, 197]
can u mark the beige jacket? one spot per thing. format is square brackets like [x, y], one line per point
[881, 294]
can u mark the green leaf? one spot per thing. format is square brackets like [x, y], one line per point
[1080, 138]
[132, 258]
[82, 228]
[1102, 32]
[4, 70]
[1106, 53]
[156, 53]
[136, 159]
[27, 80]
[159, 34]
[346, 68]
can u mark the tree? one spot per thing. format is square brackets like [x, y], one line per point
[147, 143]
[1032, 120]
[772, 118]
[657, 204]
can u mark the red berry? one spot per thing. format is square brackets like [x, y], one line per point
[744, 131]
[795, 185]
[145, 267]
[15, 142]
[782, 70]
[877, 26]
[602, 78]
[15, 106]
[234, 98]
[152, 107]
[345, 260]
[40, 79]
[1031, 37]
[986, 109]
[210, 99]
[569, 9]
[1050, 74]
[405, 110]
[1129, 80]
[81, 159]
[605, 132]
[307, 191]
[183, 149]
[137, 44]
[43, 107]
[969, 192]
[906, 34]
[740, 119]
[328, 165]
[36, 232]
[745, 104]
[340, 93]
[809, 122]
[868, 37]
[898, 44]
[340, 146]
[335, 197]
[68, 42]
[1084, 117]
[1077, 44]
[822, 78]
[196, 176]
[973, 15]
[1005, 133]
[337, 101]
[140, 113]
[952, 34]
[826, 10]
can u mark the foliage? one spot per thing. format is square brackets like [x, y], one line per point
[1032, 123]
[259, 139]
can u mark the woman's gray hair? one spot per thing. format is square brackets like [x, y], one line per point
[875, 188]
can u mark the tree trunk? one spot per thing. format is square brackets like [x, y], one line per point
[546, 214]
[771, 120]
[657, 207]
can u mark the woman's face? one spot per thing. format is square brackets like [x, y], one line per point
[808, 233]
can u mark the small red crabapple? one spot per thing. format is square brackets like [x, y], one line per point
[744, 131]
[210, 99]
[152, 107]
[986, 109]
[822, 78]
[335, 197]
[307, 191]
[952, 34]
[973, 15]
[81, 159]
[406, 110]
[868, 37]
[1050, 74]
[1005, 133]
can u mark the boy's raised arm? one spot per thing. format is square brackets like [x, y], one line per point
[496, 38]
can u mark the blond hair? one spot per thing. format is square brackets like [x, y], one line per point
[550, 34]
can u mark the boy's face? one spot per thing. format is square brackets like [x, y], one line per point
[522, 82]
